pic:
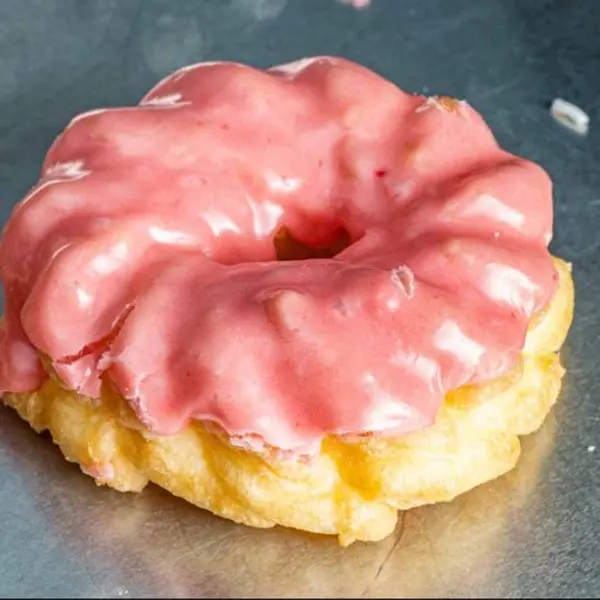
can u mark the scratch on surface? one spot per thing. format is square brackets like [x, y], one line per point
[498, 89]
[194, 549]
[185, 536]
[452, 24]
[462, 504]
[399, 537]
[436, 567]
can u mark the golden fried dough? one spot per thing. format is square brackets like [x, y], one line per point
[354, 488]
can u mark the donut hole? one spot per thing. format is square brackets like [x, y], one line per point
[287, 247]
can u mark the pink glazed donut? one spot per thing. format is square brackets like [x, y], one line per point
[145, 256]
[297, 296]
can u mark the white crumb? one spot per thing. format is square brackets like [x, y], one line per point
[570, 116]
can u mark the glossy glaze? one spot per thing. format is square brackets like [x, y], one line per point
[145, 255]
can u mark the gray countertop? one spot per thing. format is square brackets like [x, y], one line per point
[534, 532]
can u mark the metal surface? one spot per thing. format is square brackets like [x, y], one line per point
[534, 532]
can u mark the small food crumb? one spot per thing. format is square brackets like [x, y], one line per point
[403, 277]
[570, 116]
[357, 3]
[442, 103]
[591, 448]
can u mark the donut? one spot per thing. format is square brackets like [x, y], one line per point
[296, 296]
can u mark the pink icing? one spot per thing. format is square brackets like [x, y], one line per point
[145, 256]
[357, 3]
